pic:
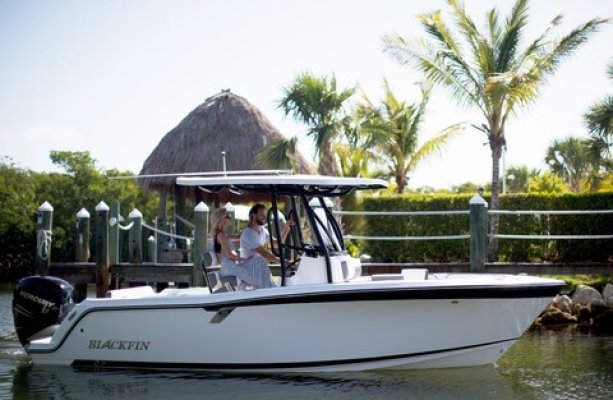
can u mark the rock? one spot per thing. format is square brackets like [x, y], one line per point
[585, 294]
[604, 322]
[562, 303]
[607, 295]
[575, 308]
[554, 316]
[584, 314]
[598, 307]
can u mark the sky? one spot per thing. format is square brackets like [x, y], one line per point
[114, 76]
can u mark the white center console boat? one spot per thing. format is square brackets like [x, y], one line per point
[325, 316]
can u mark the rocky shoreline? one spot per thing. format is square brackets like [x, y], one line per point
[587, 308]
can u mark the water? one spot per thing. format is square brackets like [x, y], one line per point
[546, 365]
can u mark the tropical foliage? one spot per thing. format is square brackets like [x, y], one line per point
[573, 160]
[488, 69]
[547, 182]
[518, 178]
[280, 154]
[457, 224]
[395, 128]
[82, 185]
[320, 104]
[599, 120]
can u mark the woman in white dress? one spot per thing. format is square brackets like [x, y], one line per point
[252, 271]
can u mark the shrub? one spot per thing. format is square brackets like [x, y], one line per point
[509, 250]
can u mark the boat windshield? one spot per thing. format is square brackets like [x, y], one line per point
[326, 226]
[316, 231]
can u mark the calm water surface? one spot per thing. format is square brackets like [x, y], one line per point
[547, 365]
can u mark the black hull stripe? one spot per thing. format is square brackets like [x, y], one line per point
[425, 293]
[267, 366]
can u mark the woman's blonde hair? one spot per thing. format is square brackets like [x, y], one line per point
[216, 222]
[217, 218]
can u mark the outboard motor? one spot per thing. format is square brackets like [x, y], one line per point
[40, 302]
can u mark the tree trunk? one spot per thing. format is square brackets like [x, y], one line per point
[327, 162]
[327, 166]
[575, 183]
[400, 183]
[496, 144]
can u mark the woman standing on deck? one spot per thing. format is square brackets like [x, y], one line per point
[252, 271]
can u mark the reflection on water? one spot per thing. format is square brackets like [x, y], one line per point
[541, 365]
[559, 365]
[66, 383]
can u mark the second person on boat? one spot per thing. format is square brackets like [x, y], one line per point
[252, 271]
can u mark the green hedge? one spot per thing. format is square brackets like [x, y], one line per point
[509, 250]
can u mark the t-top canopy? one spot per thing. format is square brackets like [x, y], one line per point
[284, 184]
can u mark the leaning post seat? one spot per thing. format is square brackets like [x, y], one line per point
[212, 275]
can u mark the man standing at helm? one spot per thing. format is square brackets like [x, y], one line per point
[254, 237]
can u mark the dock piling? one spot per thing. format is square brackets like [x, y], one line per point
[478, 233]
[102, 249]
[201, 218]
[44, 224]
[136, 236]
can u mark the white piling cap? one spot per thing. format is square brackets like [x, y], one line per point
[477, 200]
[45, 207]
[201, 207]
[151, 238]
[229, 207]
[135, 214]
[83, 213]
[102, 206]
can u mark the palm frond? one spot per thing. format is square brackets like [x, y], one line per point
[508, 45]
[599, 118]
[418, 116]
[466, 25]
[435, 69]
[567, 45]
[433, 146]
[535, 49]
[448, 48]
[279, 154]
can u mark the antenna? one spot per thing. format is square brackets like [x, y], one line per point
[223, 160]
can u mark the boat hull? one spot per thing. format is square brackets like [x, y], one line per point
[389, 328]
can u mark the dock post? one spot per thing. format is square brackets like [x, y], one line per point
[151, 249]
[102, 249]
[181, 228]
[82, 253]
[478, 233]
[82, 250]
[161, 223]
[201, 219]
[136, 236]
[44, 223]
[115, 220]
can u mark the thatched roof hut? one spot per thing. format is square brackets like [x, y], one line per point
[224, 122]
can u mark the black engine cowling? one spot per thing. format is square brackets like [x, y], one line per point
[40, 302]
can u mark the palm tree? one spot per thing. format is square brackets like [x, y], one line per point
[488, 70]
[518, 178]
[355, 149]
[318, 103]
[599, 120]
[395, 127]
[572, 159]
